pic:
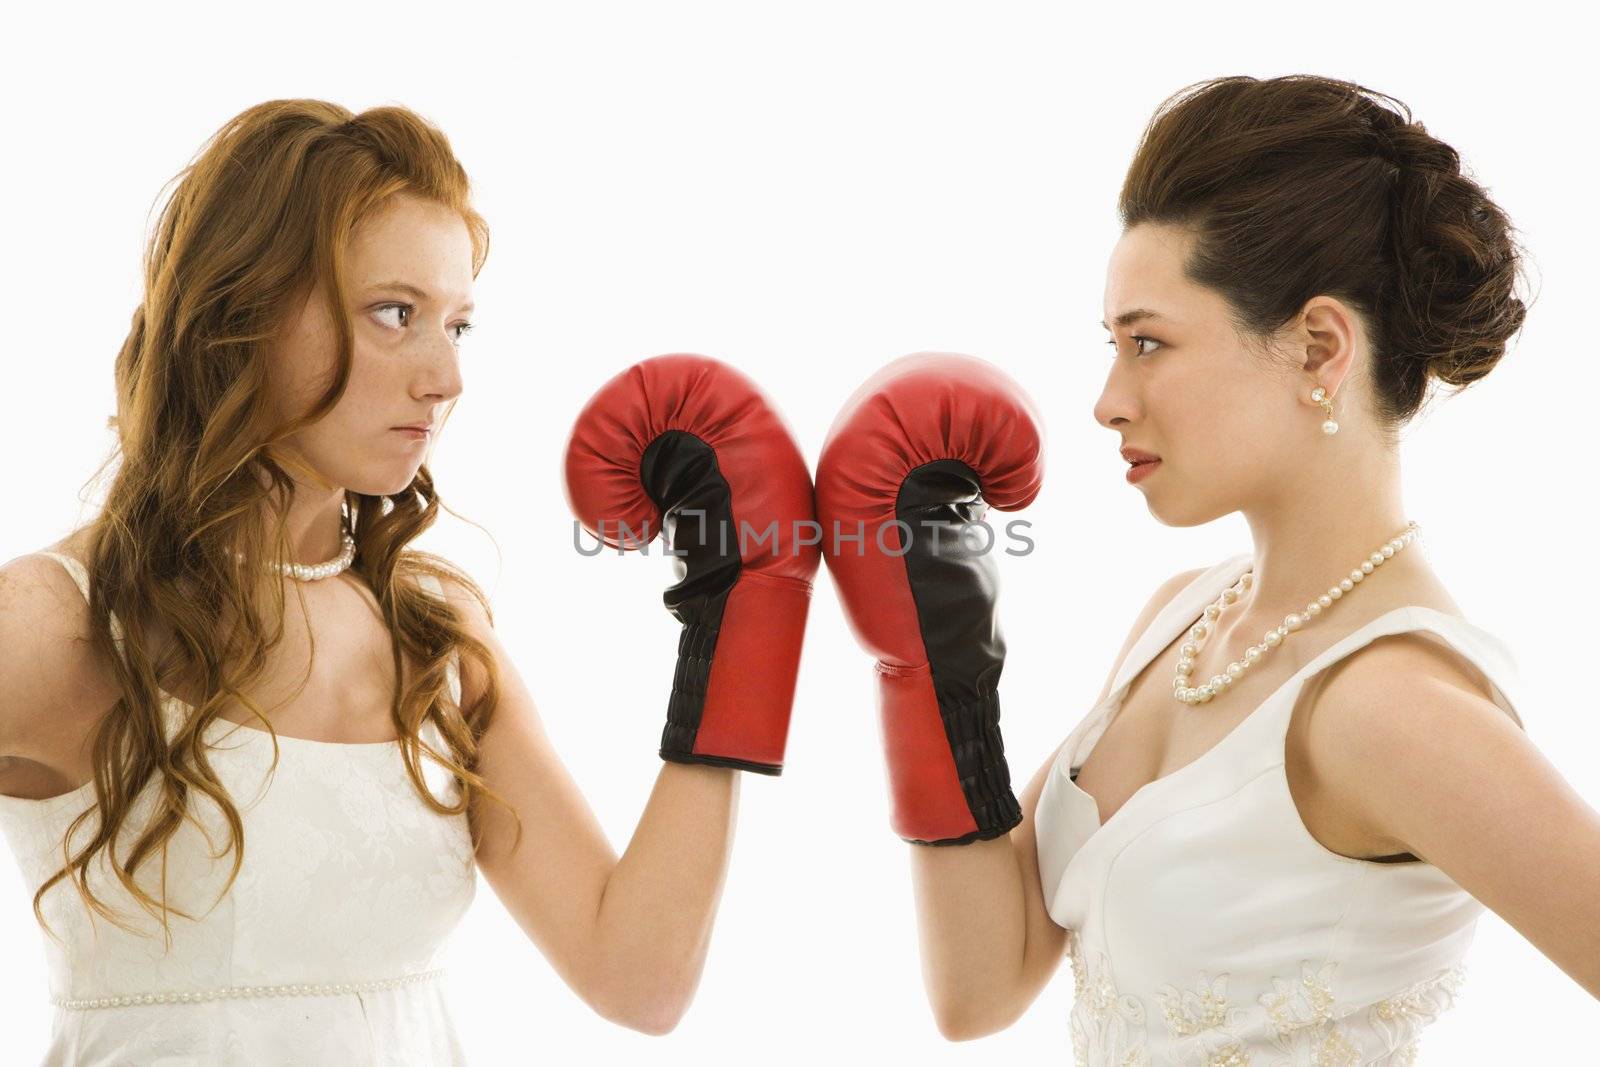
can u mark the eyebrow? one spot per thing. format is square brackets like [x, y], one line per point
[412, 290]
[1128, 318]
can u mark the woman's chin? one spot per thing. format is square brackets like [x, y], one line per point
[388, 487]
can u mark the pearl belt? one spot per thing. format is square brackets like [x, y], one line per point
[237, 991]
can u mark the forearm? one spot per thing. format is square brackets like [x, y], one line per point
[658, 905]
[973, 923]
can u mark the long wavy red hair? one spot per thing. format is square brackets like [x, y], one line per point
[262, 216]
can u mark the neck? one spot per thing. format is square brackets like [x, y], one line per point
[314, 530]
[1306, 544]
[314, 526]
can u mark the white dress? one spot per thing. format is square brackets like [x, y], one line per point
[325, 950]
[1206, 926]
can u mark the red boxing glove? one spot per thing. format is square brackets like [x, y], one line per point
[915, 456]
[687, 445]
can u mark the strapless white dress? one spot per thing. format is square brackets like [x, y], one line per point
[328, 947]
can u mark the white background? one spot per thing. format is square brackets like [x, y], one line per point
[808, 191]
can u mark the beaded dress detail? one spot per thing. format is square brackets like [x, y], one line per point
[1208, 927]
[327, 948]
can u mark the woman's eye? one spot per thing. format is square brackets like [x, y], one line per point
[1137, 340]
[407, 310]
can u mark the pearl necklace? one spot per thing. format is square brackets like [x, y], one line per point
[310, 572]
[1273, 637]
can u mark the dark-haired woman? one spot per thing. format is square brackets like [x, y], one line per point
[1270, 838]
[249, 830]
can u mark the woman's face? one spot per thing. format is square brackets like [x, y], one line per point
[406, 367]
[1184, 386]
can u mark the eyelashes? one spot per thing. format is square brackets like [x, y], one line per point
[1137, 340]
[462, 328]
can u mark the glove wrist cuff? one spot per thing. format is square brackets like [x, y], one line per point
[948, 778]
[733, 686]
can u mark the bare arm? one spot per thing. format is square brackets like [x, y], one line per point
[1436, 769]
[49, 673]
[14, 645]
[988, 944]
[628, 935]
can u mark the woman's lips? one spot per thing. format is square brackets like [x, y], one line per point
[1139, 471]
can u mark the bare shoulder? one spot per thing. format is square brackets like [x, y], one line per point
[1165, 592]
[50, 675]
[1391, 726]
[1411, 661]
[1397, 693]
[1152, 607]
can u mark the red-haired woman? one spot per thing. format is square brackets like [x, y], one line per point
[278, 837]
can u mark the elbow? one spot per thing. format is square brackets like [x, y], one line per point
[642, 988]
[958, 1022]
[657, 1020]
[967, 1021]
[954, 1027]
[646, 1010]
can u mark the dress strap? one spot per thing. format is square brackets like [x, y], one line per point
[174, 708]
[1177, 615]
[80, 575]
[1259, 742]
[1484, 650]
[1490, 655]
[173, 711]
[1260, 737]
[1263, 735]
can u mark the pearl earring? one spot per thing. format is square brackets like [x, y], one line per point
[1320, 396]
